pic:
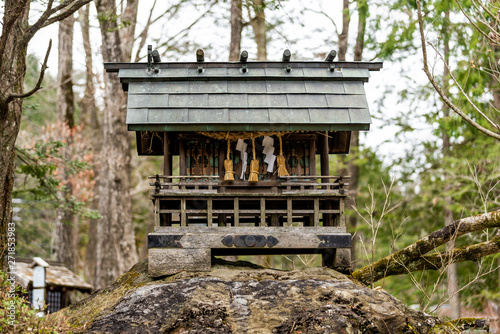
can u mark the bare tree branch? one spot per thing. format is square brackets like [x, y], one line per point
[39, 82]
[332, 21]
[474, 23]
[416, 251]
[188, 27]
[463, 92]
[490, 13]
[70, 6]
[144, 33]
[70, 11]
[41, 20]
[438, 89]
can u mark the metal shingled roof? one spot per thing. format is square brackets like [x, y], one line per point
[311, 97]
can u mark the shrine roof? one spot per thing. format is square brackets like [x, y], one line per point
[57, 274]
[220, 96]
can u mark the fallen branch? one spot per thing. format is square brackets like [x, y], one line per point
[398, 262]
[440, 260]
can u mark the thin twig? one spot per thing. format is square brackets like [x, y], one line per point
[462, 90]
[438, 89]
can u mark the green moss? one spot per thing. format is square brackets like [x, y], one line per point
[459, 325]
[101, 302]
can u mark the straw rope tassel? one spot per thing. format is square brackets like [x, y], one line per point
[254, 165]
[281, 160]
[228, 164]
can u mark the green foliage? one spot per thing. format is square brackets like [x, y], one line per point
[463, 178]
[37, 169]
[18, 316]
[38, 165]
[37, 108]
[52, 172]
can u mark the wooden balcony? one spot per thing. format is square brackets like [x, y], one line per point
[182, 201]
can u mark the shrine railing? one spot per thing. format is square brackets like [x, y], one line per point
[286, 185]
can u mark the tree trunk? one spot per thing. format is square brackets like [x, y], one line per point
[16, 34]
[90, 118]
[452, 278]
[66, 222]
[12, 70]
[115, 245]
[236, 28]
[88, 110]
[258, 23]
[352, 166]
[343, 37]
[127, 33]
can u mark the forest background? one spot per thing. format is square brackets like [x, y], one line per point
[419, 168]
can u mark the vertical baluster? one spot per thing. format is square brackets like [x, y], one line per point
[236, 211]
[263, 211]
[183, 212]
[289, 215]
[316, 212]
[209, 212]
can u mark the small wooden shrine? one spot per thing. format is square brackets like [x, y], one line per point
[240, 143]
[58, 286]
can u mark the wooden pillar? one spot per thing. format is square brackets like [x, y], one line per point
[166, 219]
[325, 171]
[312, 157]
[222, 157]
[325, 160]
[328, 257]
[167, 155]
[182, 158]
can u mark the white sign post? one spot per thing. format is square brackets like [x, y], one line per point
[39, 266]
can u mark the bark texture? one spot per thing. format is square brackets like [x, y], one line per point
[16, 34]
[236, 28]
[258, 23]
[344, 34]
[90, 118]
[12, 69]
[66, 223]
[452, 272]
[244, 298]
[88, 113]
[127, 33]
[403, 260]
[115, 241]
[353, 168]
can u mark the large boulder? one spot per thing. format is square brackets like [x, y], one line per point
[243, 298]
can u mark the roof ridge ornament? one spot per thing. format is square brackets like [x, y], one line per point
[286, 58]
[153, 56]
[330, 57]
[200, 58]
[243, 59]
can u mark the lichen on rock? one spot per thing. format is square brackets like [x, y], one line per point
[244, 298]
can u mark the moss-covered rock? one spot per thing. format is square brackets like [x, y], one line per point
[243, 298]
